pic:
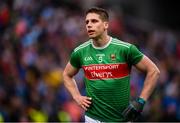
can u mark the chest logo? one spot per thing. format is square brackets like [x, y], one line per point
[88, 58]
[113, 57]
[106, 71]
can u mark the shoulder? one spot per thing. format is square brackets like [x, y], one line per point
[82, 46]
[120, 43]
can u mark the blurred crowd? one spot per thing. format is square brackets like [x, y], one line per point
[36, 39]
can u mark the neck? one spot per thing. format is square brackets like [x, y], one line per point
[101, 41]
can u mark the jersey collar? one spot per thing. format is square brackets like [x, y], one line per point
[103, 47]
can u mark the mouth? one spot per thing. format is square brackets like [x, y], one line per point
[90, 32]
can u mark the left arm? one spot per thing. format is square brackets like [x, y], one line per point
[134, 109]
[152, 74]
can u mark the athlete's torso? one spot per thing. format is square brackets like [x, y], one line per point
[106, 78]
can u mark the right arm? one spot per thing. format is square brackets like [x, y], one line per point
[70, 84]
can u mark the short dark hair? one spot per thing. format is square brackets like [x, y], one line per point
[100, 11]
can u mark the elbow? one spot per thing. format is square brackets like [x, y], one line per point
[156, 72]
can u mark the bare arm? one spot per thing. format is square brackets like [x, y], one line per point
[70, 84]
[152, 74]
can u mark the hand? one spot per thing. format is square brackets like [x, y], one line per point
[133, 111]
[83, 101]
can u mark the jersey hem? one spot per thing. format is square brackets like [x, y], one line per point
[74, 66]
[137, 61]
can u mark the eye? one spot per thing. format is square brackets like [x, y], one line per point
[87, 22]
[94, 20]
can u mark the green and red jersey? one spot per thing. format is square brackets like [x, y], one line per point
[107, 76]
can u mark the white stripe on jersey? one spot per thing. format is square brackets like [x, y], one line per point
[82, 46]
[120, 44]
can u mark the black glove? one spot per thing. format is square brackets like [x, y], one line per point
[133, 111]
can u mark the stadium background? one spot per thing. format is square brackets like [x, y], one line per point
[37, 37]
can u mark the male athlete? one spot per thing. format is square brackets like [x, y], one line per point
[107, 63]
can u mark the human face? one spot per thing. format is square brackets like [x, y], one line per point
[95, 26]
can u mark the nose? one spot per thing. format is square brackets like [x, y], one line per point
[89, 25]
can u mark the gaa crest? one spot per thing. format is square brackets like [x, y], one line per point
[113, 57]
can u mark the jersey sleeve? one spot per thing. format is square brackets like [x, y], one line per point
[75, 60]
[134, 55]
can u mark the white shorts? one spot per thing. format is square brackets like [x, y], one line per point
[91, 120]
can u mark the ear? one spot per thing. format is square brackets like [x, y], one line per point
[106, 25]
